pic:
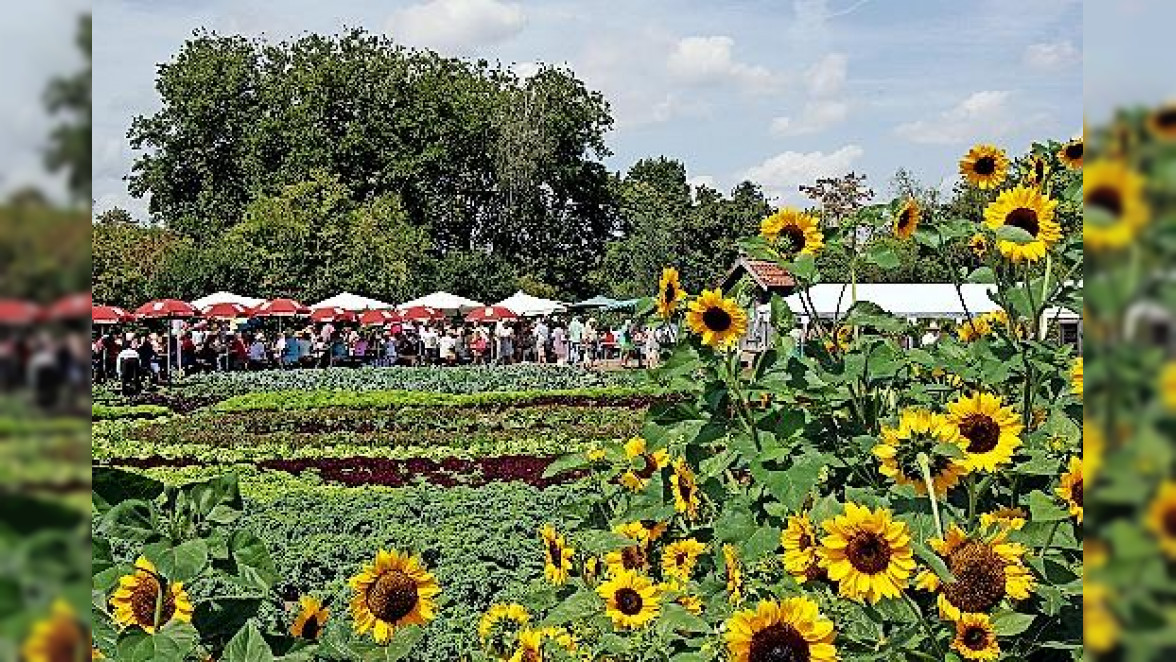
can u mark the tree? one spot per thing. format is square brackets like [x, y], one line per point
[127, 257]
[69, 143]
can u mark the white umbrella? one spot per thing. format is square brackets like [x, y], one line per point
[226, 297]
[530, 306]
[450, 303]
[353, 302]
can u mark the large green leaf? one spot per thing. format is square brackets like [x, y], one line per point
[116, 485]
[248, 646]
[171, 643]
[578, 607]
[181, 562]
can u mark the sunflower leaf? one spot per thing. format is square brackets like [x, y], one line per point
[1014, 234]
[1010, 623]
[248, 646]
[599, 542]
[934, 561]
[578, 607]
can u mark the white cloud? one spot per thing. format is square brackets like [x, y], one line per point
[1049, 56]
[780, 175]
[817, 116]
[525, 70]
[827, 77]
[709, 61]
[457, 24]
[983, 114]
[702, 180]
[824, 82]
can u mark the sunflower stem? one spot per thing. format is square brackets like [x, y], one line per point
[925, 466]
[1053, 531]
[926, 626]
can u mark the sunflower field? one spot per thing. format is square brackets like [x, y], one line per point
[842, 496]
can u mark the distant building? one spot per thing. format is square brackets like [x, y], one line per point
[766, 278]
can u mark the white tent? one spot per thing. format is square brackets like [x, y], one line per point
[525, 305]
[352, 302]
[225, 297]
[911, 300]
[449, 303]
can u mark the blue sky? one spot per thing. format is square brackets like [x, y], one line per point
[780, 92]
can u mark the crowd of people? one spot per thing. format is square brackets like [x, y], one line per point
[135, 358]
[49, 364]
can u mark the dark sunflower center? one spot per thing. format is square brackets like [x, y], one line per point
[906, 218]
[1169, 521]
[685, 487]
[670, 293]
[1107, 198]
[1074, 151]
[981, 431]
[649, 467]
[805, 541]
[680, 559]
[868, 552]
[393, 596]
[143, 599]
[1166, 118]
[975, 638]
[633, 558]
[907, 457]
[67, 643]
[310, 629]
[554, 553]
[778, 643]
[532, 655]
[1039, 170]
[1076, 493]
[629, 601]
[985, 165]
[794, 238]
[980, 578]
[717, 319]
[1024, 218]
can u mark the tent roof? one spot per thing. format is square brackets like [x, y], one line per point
[226, 297]
[526, 305]
[352, 302]
[901, 299]
[444, 301]
[598, 301]
[627, 304]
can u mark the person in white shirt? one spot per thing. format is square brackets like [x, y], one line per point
[542, 340]
[448, 347]
[432, 344]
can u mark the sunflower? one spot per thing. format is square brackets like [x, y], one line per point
[1037, 170]
[1100, 627]
[973, 328]
[561, 637]
[558, 555]
[138, 595]
[631, 600]
[976, 638]
[1070, 489]
[1161, 122]
[1012, 519]
[797, 232]
[990, 433]
[1161, 518]
[867, 553]
[637, 479]
[734, 571]
[720, 322]
[595, 454]
[986, 571]
[685, 489]
[1093, 446]
[633, 557]
[1118, 193]
[978, 244]
[1167, 386]
[691, 603]
[920, 432]
[793, 629]
[800, 549]
[530, 648]
[1071, 154]
[680, 557]
[1025, 208]
[985, 166]
[840, 340]
[311, 618]
[500, 616]
[669, 292]
[394, 591]
[907, 219]
[60, 636]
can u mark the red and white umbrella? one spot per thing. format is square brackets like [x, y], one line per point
[332, 315]
[72, 307]
[109, 315]
[491, 314]
[165, 309]
[226, 311]
[18, 312]
[421, 314]
[379, 317]
[280, 308]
